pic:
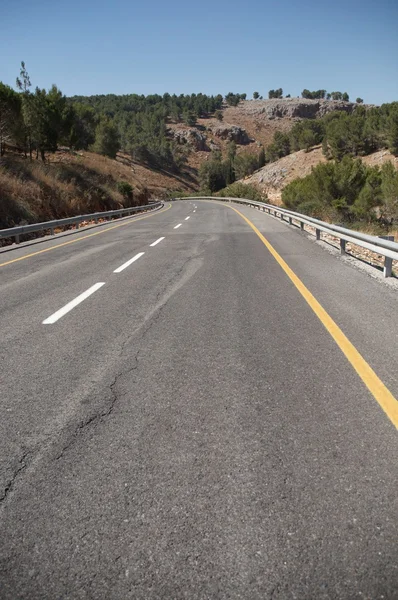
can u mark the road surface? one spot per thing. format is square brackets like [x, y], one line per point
[178, 422]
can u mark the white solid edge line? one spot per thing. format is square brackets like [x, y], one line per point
[186, 218]
[157, 242]
[129, 262]
[177, 226]
[62, 311]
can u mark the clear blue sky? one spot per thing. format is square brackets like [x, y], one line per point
[178, 46]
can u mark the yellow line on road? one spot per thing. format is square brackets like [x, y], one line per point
[84, 237]
[376, 387]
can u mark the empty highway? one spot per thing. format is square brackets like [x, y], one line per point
[196, 403]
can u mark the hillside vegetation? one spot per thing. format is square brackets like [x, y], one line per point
[118, 150]
[347, 191]
[365, 130]
[275, 176]
[338, 185]
[40, 182]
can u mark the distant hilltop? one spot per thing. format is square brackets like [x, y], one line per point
[295, 108]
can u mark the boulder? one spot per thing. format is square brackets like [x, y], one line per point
[231, 133]
[213, 145]
[191, 136]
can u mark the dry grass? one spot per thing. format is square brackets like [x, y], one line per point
[69, 184]
[32, 191]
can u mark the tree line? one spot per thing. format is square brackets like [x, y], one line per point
[141, 122]
[38, 121]
[314, 95]
[32, 122]
[323, 95]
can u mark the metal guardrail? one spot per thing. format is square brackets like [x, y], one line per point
[383, 246]
[16, 232]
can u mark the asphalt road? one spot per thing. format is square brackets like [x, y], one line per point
[191, 429]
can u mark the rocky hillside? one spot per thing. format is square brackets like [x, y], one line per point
[293, 108]
[262, 118]
[250, 125]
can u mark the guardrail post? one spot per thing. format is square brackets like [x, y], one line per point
[342, 246]
[318, 234]
[387, 269]
[290, 221]
[17, 238]
[51, 230]
[301, 226]
[281, 216]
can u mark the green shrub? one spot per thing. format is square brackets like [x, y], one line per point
[312, 208]
[125, 189]
[346, 191]
[241, 190]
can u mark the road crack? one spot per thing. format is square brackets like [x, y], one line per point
[162, 298]
[173, 283]
[22, 464]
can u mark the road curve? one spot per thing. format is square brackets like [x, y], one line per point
[177, 422]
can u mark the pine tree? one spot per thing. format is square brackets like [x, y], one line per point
[106, 138]
[23, 83]
[10, 116]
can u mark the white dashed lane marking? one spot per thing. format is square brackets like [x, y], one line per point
[68, 307]
[157, 242]
[129, 262]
